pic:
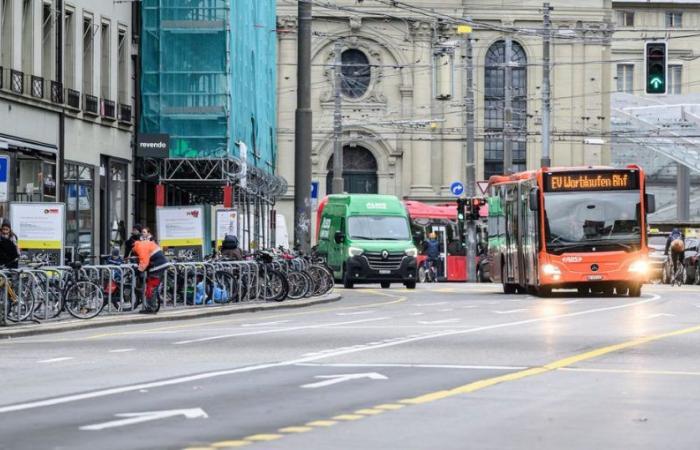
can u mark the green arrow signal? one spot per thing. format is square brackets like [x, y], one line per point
[656, 82]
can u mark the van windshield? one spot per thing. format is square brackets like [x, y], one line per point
[378, 228]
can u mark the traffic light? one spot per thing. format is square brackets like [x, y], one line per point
[655, 61]
[461, 203]
[476, 204]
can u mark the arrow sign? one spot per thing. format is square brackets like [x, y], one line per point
[335, 379]
[139, 417]
[656, 82]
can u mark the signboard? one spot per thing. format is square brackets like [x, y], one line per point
[482, 186]
[314, 190]
[226, 223]
[457, 188]
[621, 180]
[4, 175]
[153, 145]
[40, 229]
[181, 231]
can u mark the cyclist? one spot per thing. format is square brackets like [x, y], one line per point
[151, 261]
[9, 252]
[676, 243]
[432, 250]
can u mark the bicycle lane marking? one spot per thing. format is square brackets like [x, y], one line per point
[316, 357]
[431, 397]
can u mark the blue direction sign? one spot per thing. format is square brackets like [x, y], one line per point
[457, 188]
[314, 190]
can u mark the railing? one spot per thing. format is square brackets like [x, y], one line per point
[17, 81]
[37, 84]
[91, 105]
[108, 109]
[57, 92]
[124, 113]
[73, 99]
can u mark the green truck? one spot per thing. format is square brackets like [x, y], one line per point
[367, 239]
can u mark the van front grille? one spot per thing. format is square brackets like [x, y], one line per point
[376, 262]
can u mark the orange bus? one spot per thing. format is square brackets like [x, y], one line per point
[578, 228]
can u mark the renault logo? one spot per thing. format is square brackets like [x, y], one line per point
[385, 254]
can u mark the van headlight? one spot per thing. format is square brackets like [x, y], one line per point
[355, 251]
[639, 266]
[550, 269]
[413, 252]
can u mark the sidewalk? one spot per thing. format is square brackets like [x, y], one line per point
[165, 315]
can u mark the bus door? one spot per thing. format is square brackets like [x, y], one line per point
[441, 232]
[512, 232]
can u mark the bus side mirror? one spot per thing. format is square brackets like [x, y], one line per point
[339, 237]
[650, 203]
[534, 199]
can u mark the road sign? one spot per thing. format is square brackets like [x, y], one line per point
[139, 417]
[335, 379]
[457, 188]
[4, 171]
[314, 190]
[483, 186]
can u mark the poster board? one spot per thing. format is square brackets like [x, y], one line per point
[226, 223]
[40, 229]
[181, 231]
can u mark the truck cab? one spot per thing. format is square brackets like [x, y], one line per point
[367, 239]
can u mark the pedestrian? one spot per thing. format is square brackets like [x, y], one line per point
[152, 262]
[230, 249]
[135, 236]
[146, 234]
[431, 247]
[9, 251]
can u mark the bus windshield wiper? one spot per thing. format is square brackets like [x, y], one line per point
[558, 247]
[363, 238]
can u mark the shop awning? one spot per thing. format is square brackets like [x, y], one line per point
[7, 142]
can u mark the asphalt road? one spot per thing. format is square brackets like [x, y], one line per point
[442, 367]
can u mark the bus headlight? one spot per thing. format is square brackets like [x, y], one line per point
[355, 251]
[550, 269]
[640, 266]
[413, 252]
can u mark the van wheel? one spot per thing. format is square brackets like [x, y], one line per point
[385, 284]
[410, 284]
[348, 283]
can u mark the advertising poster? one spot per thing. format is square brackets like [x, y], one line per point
[226, 223]
[40, 231]
[181, 231]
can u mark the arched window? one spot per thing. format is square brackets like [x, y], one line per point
[356, 73]
[359, 171]
[494, 107]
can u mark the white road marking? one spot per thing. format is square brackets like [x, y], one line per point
[356, 313]
[510, 311]
[570, 302]
[416, 314]
[445, 310]
[329, 380]
[415, 366]
[122, 350]
[394, 342]
[53, 360]
[134, 418]
[264, 324]
[470, 306]
[654, 316]
[277, 330]
[432, 304]
[436, 322]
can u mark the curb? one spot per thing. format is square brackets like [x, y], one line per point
[17, 331]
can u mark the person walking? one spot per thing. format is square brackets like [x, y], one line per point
[9, 251]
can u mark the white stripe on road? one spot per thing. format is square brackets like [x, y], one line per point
[357, 313]
[432, 304]
[437, 322]
[654, 316]
[220, 373]
[53, 360]
[510, 311]
[122, 350]
[415, 366]
[570, 302]
[277, 330]
[264, 324]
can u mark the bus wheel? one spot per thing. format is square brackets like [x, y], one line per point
[635, 290]
[621, 291]
[508, 288]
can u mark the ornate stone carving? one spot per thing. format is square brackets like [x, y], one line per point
[355, 23]
[422, 31]
[287, 25]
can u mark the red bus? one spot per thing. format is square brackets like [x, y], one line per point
[570, 228]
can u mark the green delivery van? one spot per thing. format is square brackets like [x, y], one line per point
[367, 239]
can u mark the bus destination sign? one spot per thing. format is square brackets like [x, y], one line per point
[591, 181]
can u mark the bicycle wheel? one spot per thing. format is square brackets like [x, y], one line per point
[84, 299]
[227, 285]
[323, 280]
[20, 305]
[311, 286]
[298, 285]
[275, 285]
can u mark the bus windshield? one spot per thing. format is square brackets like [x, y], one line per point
[581, 219]
[378, 228]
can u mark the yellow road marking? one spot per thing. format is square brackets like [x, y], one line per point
[389, 407]
[631, 371]
[230, 444]
[349, 417]
[295, 429]
[322, 423]
[263, 437]
[488, 382]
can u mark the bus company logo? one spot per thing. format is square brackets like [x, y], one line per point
[51, 211]
[374, 205]
[572, 259]
[194, 213]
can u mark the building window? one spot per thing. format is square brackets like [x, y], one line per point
[494, 107]
[47, 42]
[123, 68]
[88, 51]
[674, 19]
[359, 171]
[79, 190]
[105, 47]
[356, 72]
[625, 18]
[27, 36]
[675, 78]
[6, 33]
[625, 78]
[69, 50]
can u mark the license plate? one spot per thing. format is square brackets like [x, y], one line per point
[595, 277]
[384, 272]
